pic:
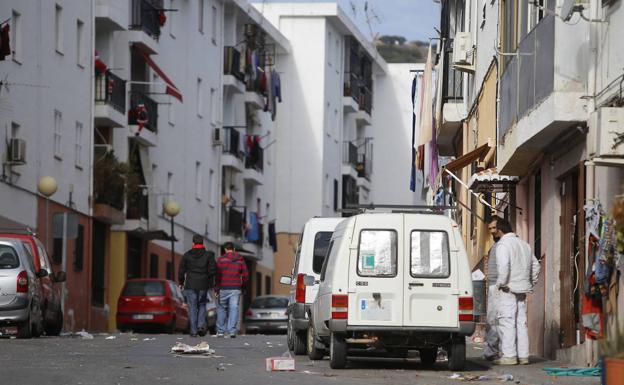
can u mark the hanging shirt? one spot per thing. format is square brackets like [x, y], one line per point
[5, 44]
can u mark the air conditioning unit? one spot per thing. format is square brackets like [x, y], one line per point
[217, 139]
[462, 49]
[17, 151]
[606, 132]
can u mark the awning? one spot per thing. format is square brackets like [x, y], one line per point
[148, 235]
[171, 88]
[491, 181]
[466, 159]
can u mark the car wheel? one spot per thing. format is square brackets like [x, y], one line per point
[457, 355]
[299, 342]
[171, 328]
[24, 328]
[337, 352]
[55, 328]
[428, 357]
[314, 353]
[36, 317]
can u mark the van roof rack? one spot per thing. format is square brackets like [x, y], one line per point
[412, 209]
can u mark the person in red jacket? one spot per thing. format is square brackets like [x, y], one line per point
[232, 275]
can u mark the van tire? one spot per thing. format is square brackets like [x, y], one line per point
[289, 337]
[457, 355]
[299, 343]
[314, 353]
[337, 352]
[428, 357]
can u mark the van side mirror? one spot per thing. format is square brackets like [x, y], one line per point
[285, 280]
[60, 277]
[308, 280]
[42, 273]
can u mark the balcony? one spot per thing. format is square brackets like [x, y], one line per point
[233, 151]
[233, 78]
[349, 192]
[145, 18]
[232, 222]
[254, 166]
[110, 100]
[260, 240]
[540, 93]
[138, 98]
[349, 160]
[112, 14]
[453, 108]
[366, 100]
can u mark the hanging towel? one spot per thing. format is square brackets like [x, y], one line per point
[426, 102]
[277, 83]
[5, 44]
[253, 233]
[272, 237]
[413, 163]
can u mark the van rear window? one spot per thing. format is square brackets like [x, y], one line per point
[8, 258]
[144, 289]
[377, 253]
[321, 243]
[429, 254]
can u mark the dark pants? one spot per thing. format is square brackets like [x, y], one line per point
[196, 300]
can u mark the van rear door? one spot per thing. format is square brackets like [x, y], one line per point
[430, 279]
[375, 276]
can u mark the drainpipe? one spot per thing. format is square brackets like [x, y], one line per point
[91, 154]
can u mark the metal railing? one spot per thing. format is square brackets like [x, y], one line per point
[145, 18]
[254, 159]
[366, 100]
[453, 81]
[111, 89]
[232, 221]
[365, 160]
[349, 154]
[232, 142]
[137, 98]
[231, 63]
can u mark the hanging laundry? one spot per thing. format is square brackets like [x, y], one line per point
[277, 85]
[268, 106]
[272, 237]
[5, 42]
[100, 66]
[253, 233]
[413, 163]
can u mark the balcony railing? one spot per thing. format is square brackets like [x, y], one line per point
[232, 222]
[366, 100]
[365, 160]
[111, 89]
[529, 77]
[349, 154]
[352, 86]
[452, 83]
[145, 18]
[254, 159]
[137, 206]
[232, 142]
[231, 63]
[151, 110]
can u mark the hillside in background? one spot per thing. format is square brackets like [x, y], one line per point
[396, 49]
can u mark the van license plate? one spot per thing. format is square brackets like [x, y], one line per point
[143, 316]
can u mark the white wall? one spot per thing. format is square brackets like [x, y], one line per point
[392, 133]
[45, 81]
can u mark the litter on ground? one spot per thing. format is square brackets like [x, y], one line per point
[201, 348]
[83, 334]
[149, 339]
[110, 338]
[574, 372]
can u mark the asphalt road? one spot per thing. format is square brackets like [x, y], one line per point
[139, 359]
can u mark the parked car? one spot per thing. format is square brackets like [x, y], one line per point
[267, 313]
[394, 282]
[50, 283]
[309, 259]
[152, 303]
[20, 289]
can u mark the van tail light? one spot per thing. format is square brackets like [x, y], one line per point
[300, 293]
[340, 306]
[466, 306]
[22, 282]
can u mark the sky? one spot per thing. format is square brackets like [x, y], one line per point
[412, 19]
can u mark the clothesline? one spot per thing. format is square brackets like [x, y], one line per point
[479, 197]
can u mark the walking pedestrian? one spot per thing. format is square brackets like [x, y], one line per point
[232, 275]
[492, 339]
[196, 276]
[518, 271]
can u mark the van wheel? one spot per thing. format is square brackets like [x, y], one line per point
[457, 355]
[337, 352]
[314, 353]
[428, 357]
[299, 343]
[289, 337]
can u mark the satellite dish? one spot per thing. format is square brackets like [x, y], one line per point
[567, 9]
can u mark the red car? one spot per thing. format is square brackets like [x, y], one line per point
[152, 302]
[50, 282]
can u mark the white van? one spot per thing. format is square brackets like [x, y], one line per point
[309, 258]
[396, 282]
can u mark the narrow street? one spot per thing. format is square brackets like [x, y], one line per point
[131, 359]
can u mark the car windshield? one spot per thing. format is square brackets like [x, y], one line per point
[269, 302]
[144, 288]
[8, 257]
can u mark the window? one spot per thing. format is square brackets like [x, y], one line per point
[330, 255]
[15, 130]
[200, 97]
[80, 41]
[58, 121]
[8, 258]
[169, 184]
[335, 194]
[211, 188]
[215, 22]
[337, 47]
[78, 155]
[200, 15]
[154, 266]
[214, 103]
[329, 54]
[43, 257]
[168, 270]
[16, 36]
[58, 29]
[198, 181]
[377, 253]
[79, 249]
[171, 17]
[267, 290]
[321, 244]
[429, 254]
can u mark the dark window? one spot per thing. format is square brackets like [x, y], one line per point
[57, 250]
[258, 283]
[267, 285]
[269, 302]
[169, 271]
[144, 288]
[321, 242]
[8, 258]
[153, 265]
[335, 194]
[79, 249]
[326, 260]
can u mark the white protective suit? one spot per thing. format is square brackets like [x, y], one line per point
[492, 339]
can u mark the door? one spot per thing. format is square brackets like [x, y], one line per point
[431, 278]
[375, 273]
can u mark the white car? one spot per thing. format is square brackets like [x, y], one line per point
[309, 259]
[396, 282]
